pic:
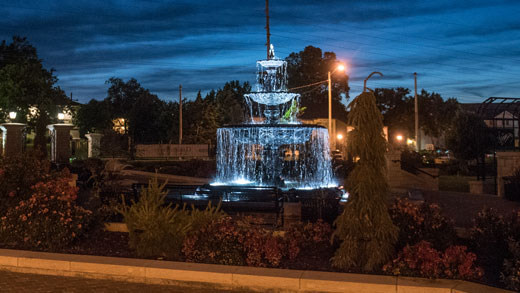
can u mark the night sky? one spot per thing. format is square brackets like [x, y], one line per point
[464, 49]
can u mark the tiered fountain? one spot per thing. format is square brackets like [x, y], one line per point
[273, 149]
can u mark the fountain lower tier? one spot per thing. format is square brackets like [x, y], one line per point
[282, 155]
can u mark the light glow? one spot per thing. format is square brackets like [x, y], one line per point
[12, 115]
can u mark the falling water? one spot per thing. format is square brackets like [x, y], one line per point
[274, 149]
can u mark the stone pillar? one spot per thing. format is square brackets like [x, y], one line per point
[94, 144]
[507, 163]
[292, 213]
[60, 142]
[13, 138]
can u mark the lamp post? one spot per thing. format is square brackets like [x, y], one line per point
[365, 81]
[340, 67]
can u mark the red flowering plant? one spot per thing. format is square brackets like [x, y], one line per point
[422, 260]
[239, 242]
[48, 220]
[218, 242]
[308, 238]
[419, 222]
[18, 173]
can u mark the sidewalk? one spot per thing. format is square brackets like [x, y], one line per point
[23, 282]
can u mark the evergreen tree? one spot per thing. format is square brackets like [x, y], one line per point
[365, 227]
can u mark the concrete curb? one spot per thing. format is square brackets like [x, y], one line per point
[221, 276]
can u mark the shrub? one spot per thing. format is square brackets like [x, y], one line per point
[512, 186]
[489, 236]
[510, 274]
[237, 242]
[219, 242]
[418, 222]
[18, 173]
[310, 237]
[422, 260]
[49, 219]
[157, 229]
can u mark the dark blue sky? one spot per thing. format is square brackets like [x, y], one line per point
[464, 49]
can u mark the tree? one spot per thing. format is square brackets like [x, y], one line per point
[398, 108]
[312, 66]
[365, 228]
[93, 116]
[25, 83]
[470, 138]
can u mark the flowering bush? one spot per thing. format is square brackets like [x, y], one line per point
[237, 242]
[422, 260]
[219, 242]
[309, 237]
[49, 219]
[18, 173]
[510, 274]
[418, 222]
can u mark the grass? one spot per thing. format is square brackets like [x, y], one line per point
[455, 183]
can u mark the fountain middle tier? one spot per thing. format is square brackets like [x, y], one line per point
[282, 155]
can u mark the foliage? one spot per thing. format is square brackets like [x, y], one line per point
[18, 173]
[24, 82]
[312, 66]
[158, 230]
[219, 242]
[423, 221]
[422, 260]
[495, 239]
[238, 242]
[49, 219]
[512, 186]
[397, 106]
[365, 228]
[95, 116]
[470, 137]
[309, 238]
[510, 274]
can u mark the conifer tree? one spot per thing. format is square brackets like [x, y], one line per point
[365, 228]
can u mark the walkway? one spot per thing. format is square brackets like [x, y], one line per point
[20, 282]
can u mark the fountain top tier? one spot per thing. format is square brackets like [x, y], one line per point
[271, 86]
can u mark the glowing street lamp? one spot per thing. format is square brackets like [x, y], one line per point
[340, 67]
[339, 136]
[399, 138]
[12, 115]
[61, 116]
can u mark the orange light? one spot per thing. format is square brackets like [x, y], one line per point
[399, 137]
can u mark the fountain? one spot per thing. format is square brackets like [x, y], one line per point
[273, 149]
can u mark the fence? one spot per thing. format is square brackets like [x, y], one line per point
[148, 151]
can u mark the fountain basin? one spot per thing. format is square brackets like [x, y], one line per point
[282, 155]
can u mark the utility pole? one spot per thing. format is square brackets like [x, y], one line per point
[180, 114]
[268, 44]
[417, 134]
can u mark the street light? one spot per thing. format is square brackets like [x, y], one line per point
[61, 116]
[399, 138]
[12, 115]
[339, 136]
[340, 67]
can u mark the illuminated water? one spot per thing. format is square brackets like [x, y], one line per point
[278, 150]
